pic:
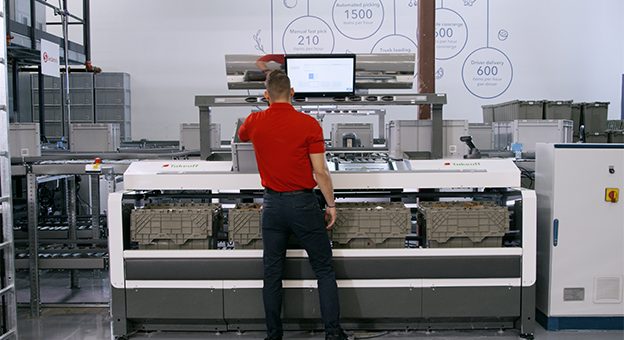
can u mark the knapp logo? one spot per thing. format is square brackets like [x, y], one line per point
[180, 166]
[47, 58]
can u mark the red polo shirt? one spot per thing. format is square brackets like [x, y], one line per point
[283, 139]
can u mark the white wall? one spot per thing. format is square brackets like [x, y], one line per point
[559, 49]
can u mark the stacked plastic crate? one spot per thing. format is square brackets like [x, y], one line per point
[112, 101]
[190, 139]
[245, 226]
[176, 226]
[615, 129]
[530, 132]
[243, 155]
[594, 116]
[528, 122]
[463, 224]
[412, 138]
[371, 225]
[518, 109]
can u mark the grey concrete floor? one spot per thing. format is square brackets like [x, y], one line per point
[93, 323]
[55, 287]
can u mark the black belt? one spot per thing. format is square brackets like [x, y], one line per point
[295, 192]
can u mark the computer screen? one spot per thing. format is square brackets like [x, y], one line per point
[326, 75]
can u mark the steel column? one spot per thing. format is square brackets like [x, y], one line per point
[66, 100]
[15, 84]
[70, 205]
[33, 244]
[41, 104]
[7, 19]
[437, 142]
[95, 205]
[86, 28]
[382, 124]
[426, 52]
[109, 176]
[33, 25]
[206, 132]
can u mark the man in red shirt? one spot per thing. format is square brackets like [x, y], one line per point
[290, 151]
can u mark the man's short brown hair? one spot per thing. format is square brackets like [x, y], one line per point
[278, 85]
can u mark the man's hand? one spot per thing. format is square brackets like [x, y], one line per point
[330, 217]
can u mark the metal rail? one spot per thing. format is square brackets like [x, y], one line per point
[434, 100]
[60, 263]
[33, 244]
[80, 20]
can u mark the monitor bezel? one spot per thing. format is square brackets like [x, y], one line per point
[322, 56]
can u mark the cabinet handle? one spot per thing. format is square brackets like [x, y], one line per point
[555, 232]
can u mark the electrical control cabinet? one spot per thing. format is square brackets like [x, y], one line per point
[580, 234]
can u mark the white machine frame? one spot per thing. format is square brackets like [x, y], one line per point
[426, 174]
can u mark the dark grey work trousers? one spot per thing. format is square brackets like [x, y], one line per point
[296, 213]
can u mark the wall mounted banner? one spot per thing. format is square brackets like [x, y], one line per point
[50, 59]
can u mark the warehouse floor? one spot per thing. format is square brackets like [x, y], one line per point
[55, 287]
[93, 323]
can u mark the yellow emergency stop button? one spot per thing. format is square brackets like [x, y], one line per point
[612, 195]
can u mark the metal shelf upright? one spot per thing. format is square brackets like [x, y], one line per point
[8, 306]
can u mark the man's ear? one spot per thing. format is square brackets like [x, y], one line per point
[266, 95]
[292, 92]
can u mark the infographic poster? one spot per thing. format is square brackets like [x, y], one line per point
[469, 50]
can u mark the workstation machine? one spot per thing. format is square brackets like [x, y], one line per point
[399, 288]
[421, 244]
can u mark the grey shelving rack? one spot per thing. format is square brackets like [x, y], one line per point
[53, 110]
[113, 100]
[8, 306]
[81, 96]
[100, 98]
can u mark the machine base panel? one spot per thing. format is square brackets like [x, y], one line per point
[579, 323]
